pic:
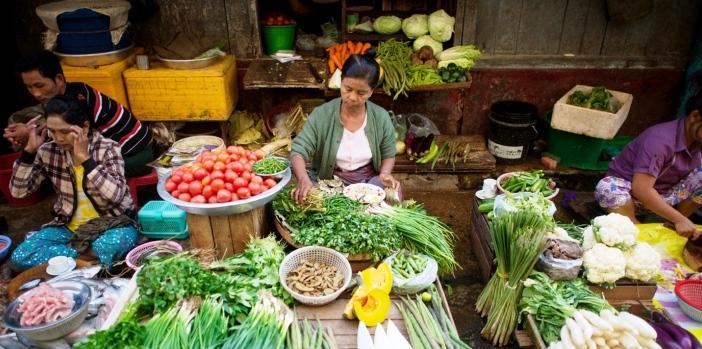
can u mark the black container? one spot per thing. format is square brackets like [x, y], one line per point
[511, 130]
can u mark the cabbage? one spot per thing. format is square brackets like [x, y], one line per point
[415, 26]
[465, 51]
[387, 24]
[464, 63]
[441, 26]
[428, 41]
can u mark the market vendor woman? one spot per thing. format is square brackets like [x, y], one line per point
[87, 172]
[662, 170]
[350, 136]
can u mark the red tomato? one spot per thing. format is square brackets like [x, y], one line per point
[212, 199]
[200, 173]
[176, 179]
[207, 191]
[230, 176]
[234, 197]
[175, 193]
[195, 188]
[223, 157]
[220, 166]
[248, 167]
[178, 173]
[184, 197]
[224, 195]
[255, 188]
[229, 186]
[256, 179]
[260, 154]
[239, 182]
[244, 160]
[217, 175]
[231, 149]
[198, 199]
[236, 167]
[280, 18]
[170, 186]
[208, 165]
[218, 150]
[243, 193]
[270, 182]
[206, 180]
[253, 157]
[183, 187]
[217, 184]
[188, 177]
[234, 157]
[246, 175]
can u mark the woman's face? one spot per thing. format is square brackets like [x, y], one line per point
[60, 131]
[355, 92]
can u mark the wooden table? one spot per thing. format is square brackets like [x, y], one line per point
[345, 331]
[227, 235]
[269, 73]
[479, 158]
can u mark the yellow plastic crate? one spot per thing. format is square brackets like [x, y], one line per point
[165, 94]
[107, 78]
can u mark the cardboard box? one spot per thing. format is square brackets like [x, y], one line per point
[165, 94]
[590, 122]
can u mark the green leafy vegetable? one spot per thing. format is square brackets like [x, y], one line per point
[599, 98]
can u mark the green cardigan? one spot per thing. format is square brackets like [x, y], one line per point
[319, 140]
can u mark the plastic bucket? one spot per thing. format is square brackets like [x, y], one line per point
[6, 162]
[278, 37]
[511, 130]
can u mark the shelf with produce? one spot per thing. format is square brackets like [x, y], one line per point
[422, 88]
[373, 37]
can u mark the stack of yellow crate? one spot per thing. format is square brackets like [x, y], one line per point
[106, 79]
[165, 94]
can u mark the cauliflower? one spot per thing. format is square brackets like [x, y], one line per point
[642, 262]
[613, 230]
[604, 264]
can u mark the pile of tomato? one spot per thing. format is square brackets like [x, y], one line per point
[218, 176]
[279, 19]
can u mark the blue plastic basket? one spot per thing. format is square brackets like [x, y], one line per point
[163, 220]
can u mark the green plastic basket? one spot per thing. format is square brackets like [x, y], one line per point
[163, 220]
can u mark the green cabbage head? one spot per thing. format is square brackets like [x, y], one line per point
[415, 26]
[387, 24]
[441, 26]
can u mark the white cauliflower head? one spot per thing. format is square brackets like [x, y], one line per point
[615, 230]
[642, 262]
[604, 264]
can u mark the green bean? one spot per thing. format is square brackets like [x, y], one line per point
[270, 166]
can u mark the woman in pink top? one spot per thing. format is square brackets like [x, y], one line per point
[661, 170]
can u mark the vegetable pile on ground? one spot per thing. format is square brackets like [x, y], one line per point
[518, 239]
[599, 98]
[340, 223]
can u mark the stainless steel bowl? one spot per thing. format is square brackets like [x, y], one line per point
[95, 59]
[277, 175]
[80, 293]
[196, 63]
[227, 208]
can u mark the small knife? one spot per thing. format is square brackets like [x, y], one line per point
[315, 73]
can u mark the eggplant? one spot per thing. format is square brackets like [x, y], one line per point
[664, 339]
[658, 317]
[681, 337]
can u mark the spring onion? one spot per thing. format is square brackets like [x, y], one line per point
[265, 327]
[210, 325]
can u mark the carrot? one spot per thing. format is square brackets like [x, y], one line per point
[365, 48]
[359, 48]
[335, 59]
[350, 45]
[330, 64]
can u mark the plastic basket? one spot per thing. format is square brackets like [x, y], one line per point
[315, 254]
[136, 256]
[163, 220]
[689, 293]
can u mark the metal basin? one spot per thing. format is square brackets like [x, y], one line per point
[80, 293]
[196, 63]
[95, 59]
[227, 208]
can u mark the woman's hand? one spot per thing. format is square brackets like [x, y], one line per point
[303, 187]
[36, 137]
[686, 228]
[389, 181]
[80, 145]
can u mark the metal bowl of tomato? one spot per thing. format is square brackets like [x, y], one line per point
[220, 182]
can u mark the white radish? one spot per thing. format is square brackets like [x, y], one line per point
[629, 342]
[565, 339]
[557, 345]
[613, 343]
[600, 341]
[576, 333]
[644, 329]
[596, 321]
[617, 323]
[590, 343]
[584, 325]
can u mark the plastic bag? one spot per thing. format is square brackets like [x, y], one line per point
[418, 283]
[420, 134]
[306, 42]
[399, 122]
[505, 203]
[557, 268]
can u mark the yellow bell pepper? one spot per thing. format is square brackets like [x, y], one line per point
[380, 278]
[373, 308]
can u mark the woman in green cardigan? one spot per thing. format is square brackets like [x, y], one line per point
[349, 136]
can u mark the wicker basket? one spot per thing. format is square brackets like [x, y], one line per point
[315, 254]
[689, 293]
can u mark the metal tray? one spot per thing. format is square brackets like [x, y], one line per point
[228, 208]
[95, 59]
[189, 63]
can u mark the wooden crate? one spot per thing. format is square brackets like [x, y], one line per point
[227, 235]
[480, 242]
[332, 315]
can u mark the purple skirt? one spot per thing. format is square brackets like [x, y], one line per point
[364, 174]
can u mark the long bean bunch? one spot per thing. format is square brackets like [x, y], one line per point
[394, 57]
[518, 239]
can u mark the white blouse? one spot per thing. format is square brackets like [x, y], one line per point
[354, 150]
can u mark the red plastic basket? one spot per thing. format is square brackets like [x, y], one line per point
[689, 293]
